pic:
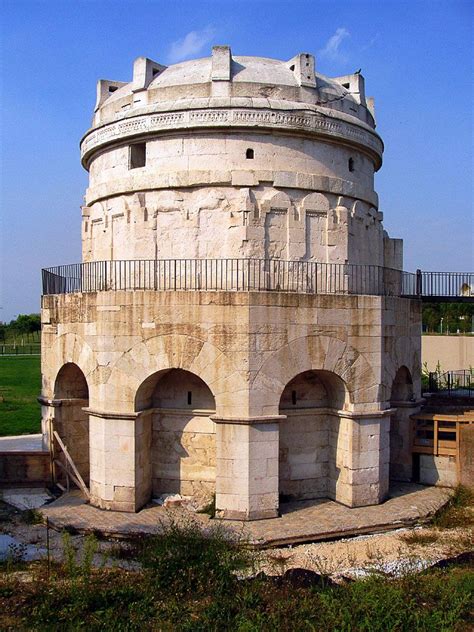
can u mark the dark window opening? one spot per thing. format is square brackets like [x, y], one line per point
[249, 154]
[292, 68]
[190, 398]
[351, 164]
[346, 85]
[113, 88]
[293, 398]
[137, 155]
[444, 435]
[155, 71]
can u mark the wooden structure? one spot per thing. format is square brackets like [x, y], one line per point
[444, 434]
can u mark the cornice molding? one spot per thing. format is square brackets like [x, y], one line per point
[304, 122]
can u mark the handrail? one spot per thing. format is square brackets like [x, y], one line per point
[228, 275]
[250, 275]
[452, 383]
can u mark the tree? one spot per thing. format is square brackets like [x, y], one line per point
[26, 323]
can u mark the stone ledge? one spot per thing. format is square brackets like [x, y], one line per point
[248, 421]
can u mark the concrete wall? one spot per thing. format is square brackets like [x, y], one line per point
[452, 352]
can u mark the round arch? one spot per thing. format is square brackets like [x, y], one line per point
[178, 351]
[68, 348]
[313, 353]
[70, 421]
[402, 386]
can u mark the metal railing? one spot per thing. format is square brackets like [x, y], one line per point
[452, 383]
[233, 275]
[10, 350]
[230, 275]
[446, 284]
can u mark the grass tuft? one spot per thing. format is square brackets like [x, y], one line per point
[420, 537]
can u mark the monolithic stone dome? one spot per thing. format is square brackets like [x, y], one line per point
[223, 81]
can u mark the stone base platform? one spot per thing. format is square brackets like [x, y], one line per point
[307, 521]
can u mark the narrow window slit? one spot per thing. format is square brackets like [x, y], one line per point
[137, 155]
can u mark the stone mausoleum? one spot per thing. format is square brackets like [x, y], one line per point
[236, 326]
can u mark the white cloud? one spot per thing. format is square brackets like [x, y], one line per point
[331, 50]
[191, 44]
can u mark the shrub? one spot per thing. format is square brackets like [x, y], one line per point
[183, 559]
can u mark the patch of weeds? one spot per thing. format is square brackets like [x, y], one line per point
[191, 584]
[183, 559]
[458, 511]
[31, 516]
[129, 550]
[15, 558]
[419, 537]
[81, 567]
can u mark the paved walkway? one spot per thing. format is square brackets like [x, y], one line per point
[21, 443]
[306, 521]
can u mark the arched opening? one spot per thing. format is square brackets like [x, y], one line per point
[309, 436]
[182, 435]
[71, 395]
[402, 386]
[401, 400]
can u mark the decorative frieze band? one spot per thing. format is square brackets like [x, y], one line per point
[308, 122]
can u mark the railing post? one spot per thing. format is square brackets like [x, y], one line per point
[419, 283]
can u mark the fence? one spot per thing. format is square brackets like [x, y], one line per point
[452, 383]
[446, 284]
[229, 275]
[9, 350]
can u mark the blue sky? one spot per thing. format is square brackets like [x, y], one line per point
[416, 57]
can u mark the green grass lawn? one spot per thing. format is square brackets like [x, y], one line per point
[20, 385]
